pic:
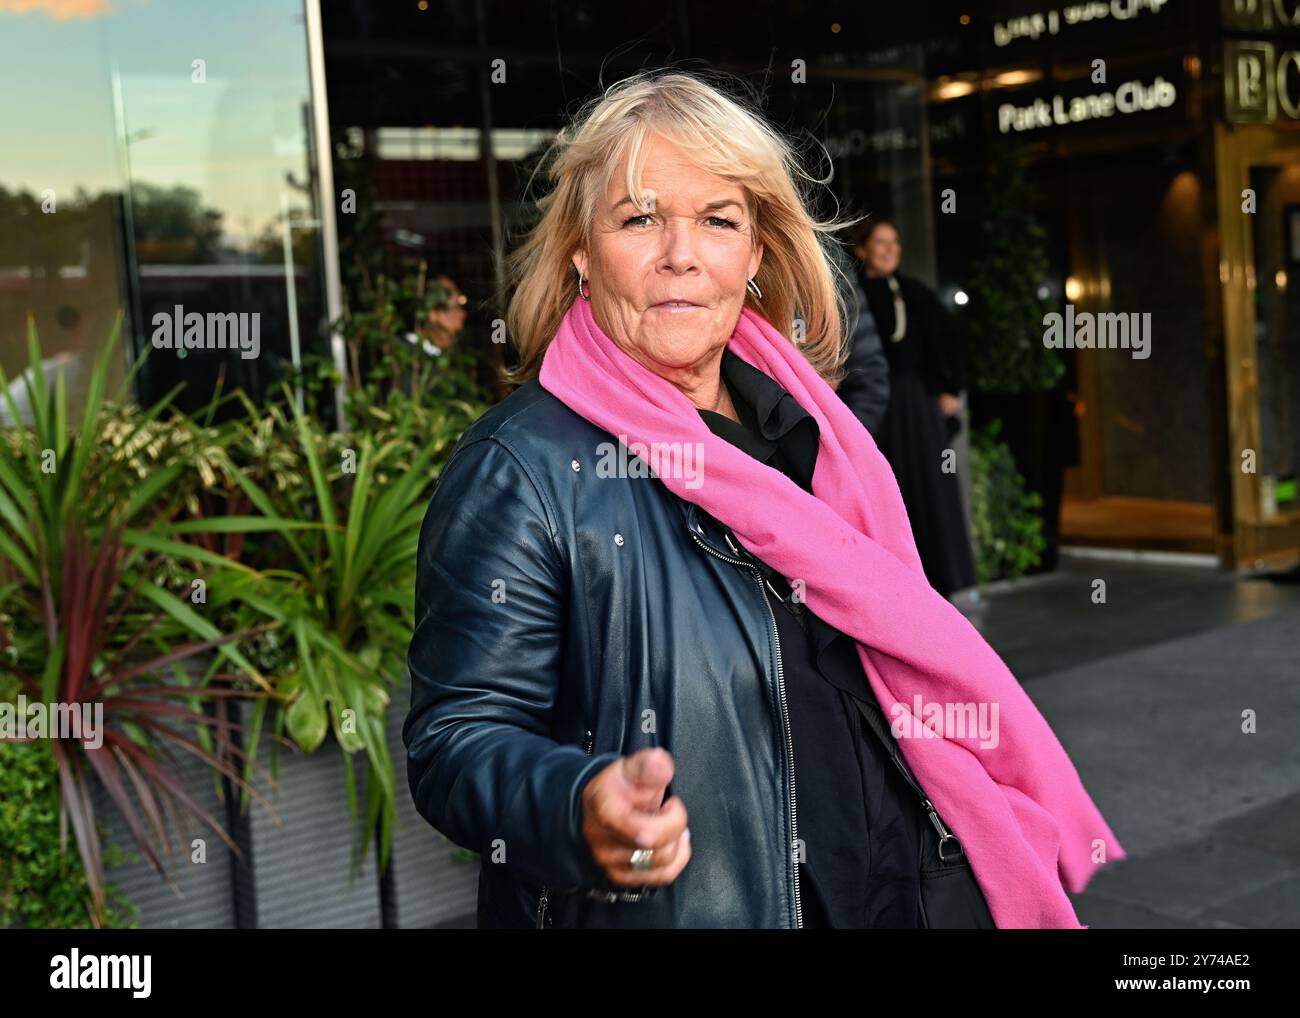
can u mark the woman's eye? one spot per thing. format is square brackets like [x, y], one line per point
[722, 221]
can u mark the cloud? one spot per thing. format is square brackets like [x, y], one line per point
[59, 10]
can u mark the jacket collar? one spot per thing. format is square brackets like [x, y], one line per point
[823, 633]
[775, 410]
[772, 423]
[762, 401]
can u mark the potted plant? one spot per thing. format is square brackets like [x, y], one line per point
[99, 589]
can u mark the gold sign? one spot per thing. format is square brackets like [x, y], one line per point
[1254, 15]
[1261, 81]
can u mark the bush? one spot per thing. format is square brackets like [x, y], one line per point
[43, 884]
[1007, 529]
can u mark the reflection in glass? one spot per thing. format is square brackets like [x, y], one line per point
[163, 161]
[1276, 238]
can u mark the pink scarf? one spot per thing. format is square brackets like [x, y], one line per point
[1018, 808]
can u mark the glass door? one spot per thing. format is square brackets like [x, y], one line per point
[1259, 219]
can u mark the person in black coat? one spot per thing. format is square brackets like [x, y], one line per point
[927, 370]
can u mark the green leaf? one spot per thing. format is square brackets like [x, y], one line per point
[306, 721]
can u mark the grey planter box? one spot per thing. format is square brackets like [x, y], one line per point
[297, 869]
[301, 858]
[431, 886]
[204, 900]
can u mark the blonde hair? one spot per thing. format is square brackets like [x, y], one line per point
[720, 133]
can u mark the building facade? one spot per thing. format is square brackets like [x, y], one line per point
[174, 159]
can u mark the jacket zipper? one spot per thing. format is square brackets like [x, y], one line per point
[543, 899]
[785, 713]
[541, 908]
[612, 896]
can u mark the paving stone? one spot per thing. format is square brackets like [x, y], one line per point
[1098, 912]
[1186, 881]
[1273, 828]
[1274, 907]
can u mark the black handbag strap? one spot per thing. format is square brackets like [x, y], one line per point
[876, 720]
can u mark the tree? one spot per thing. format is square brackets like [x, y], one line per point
[1007, 353]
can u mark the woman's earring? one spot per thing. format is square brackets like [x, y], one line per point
[752, 287]
[585, 296]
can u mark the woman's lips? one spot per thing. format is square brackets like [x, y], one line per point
[676, 306]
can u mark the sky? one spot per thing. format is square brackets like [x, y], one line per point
[233, 137]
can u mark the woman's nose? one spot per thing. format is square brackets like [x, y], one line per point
[679, 244]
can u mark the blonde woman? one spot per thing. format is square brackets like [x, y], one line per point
[674, 646]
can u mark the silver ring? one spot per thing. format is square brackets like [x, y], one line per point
[642, 859]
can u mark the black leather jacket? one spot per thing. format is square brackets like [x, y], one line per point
[565, 619]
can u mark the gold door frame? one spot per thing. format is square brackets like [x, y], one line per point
[1257, 542]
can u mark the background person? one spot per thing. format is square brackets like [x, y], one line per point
[927, 365]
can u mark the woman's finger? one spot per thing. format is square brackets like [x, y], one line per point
[666, 869]
[631, 829]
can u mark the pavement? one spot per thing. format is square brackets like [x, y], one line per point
[1154, 693]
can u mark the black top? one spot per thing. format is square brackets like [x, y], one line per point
[855, 822]
[932, 345]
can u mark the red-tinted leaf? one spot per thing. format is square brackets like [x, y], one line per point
[170, 784]
[76, 806]
[106, 767]
[206, 756]
[144, 793]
